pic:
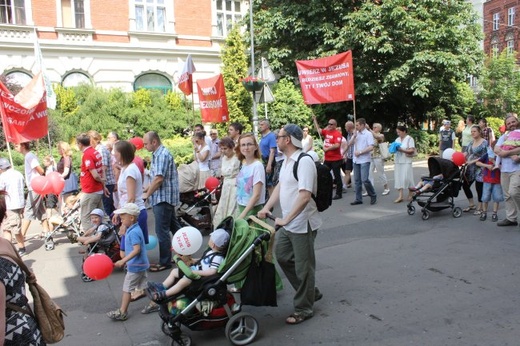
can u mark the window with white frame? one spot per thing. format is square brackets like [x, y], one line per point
[510, 46]
[494, 46]
[228, 12]
[12, 12]
[73, 13]
[150, 15]
[496, 21]
[74, 79]
[511, 16]
[153, 81]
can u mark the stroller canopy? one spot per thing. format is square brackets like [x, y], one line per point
[438, 165]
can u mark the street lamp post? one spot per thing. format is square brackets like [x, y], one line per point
[251, 29]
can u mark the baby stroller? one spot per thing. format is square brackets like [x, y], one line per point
[69, 222]
[206, 303]
[196, 205]
[109, 244]
[443, 192]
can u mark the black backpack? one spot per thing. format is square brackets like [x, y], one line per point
[323, 197]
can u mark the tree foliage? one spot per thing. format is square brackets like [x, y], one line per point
[409, 55]
[234, 69]
[288, 106]
[500, 83]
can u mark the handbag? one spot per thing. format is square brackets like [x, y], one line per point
[71, 184]
[414, 149]
[383, 149]
[259, 288]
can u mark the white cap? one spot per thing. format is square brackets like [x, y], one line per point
[129, 208]
[219, 237]
[98, 212]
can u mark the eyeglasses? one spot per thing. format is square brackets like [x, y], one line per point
[244, 145]
[281, 136]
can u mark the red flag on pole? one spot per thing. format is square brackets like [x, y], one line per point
[327, 80]
[186, 78]
[212, 100]
[24, 116]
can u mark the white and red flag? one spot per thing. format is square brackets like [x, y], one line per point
[24, 116]
[327, 80]
[186, 78]
[212, 100]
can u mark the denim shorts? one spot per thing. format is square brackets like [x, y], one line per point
[492, 191]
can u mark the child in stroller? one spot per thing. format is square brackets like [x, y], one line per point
[68, 222]
[426, 184]
[205, 266]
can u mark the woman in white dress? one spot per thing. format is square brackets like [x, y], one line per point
[202, 156]
[230, 166]
[403, 171]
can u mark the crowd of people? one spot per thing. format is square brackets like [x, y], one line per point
[256, 175]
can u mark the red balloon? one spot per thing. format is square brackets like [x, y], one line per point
[458, 158]
[212, 183]
[41, 185]
[98, 266]
[137, 142]
[502, 129]
[57, 182]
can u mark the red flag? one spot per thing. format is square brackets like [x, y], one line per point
[186, 78]
[327, 80]
[212, 100]
[24, 116]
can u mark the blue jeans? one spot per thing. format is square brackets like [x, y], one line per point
[361, 173]
[165, 222]
[108, 202]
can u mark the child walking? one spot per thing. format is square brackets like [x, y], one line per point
[492, 188]
[135, 259]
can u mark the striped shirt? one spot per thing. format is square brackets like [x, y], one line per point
[106, 158]
[164, 165]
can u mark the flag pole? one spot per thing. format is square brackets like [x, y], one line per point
[9, 151]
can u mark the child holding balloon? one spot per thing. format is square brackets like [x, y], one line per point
[206, 266]
[135, 258]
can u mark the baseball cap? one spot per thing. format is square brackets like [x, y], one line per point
[446, 122]
[296, 134]
[220, 237]
[4, 163]
[129, 208]
[98, 212]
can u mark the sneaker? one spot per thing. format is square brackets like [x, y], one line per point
[386, 192]
[365, 194]
[483, 216]
[494, 217]
[507, 222]
[117, 315]
[22, 252]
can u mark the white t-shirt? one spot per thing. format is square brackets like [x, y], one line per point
[204, 165]
[133, 172]
[290, 187]
[249, 176]
[31, 162]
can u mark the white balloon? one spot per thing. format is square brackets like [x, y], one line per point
[187, 241]
[448, 153]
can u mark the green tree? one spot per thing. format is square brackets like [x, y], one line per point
[500, 82]
[288, 106]
[234, 69]
[409, 55]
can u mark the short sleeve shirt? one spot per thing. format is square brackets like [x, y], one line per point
[134, 236]
[249, 176]
[13, 183]
[164, 165]
[210, 260]
[329, 139]
[90, 160]
[131, 171]
[31, 162]
[267, 143]
[363, 140]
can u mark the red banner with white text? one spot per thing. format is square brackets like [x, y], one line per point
[24, 116]
[212, 100]
[327, 80]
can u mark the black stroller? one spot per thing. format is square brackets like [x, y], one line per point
[443, 192]
[207, 304]
[109, 244]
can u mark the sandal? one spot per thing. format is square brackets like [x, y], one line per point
[477, 212]
[137, 294]
[158, 296]
[155, 268]
[296, 318]
[483, 216]
[470, 208]
[152, 307]
[494, 217]
[399, 200]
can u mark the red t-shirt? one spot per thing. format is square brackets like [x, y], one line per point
[140, 164]
[91, 160]
[329, 139]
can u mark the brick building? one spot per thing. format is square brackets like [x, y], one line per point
[116, 43]
[501, 25]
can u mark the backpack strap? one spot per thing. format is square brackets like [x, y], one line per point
[295, 167]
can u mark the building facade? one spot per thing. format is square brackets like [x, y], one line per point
[127, 44]
[501, 26]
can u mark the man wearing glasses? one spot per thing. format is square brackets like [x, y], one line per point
[331, 147]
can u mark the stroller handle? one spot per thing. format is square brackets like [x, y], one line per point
[271, 217]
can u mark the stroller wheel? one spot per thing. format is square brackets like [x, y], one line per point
[411, 210]
[241, 329]
[457, 212]
[86, 278]
[425, 215]
[49, 244]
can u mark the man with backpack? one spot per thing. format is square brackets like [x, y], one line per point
[299, 222]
